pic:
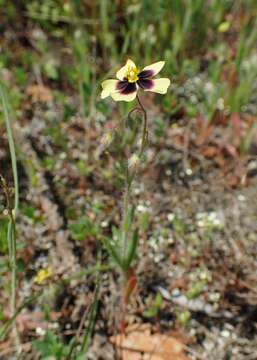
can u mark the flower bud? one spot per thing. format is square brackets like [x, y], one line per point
[133, 162]
[106, 140]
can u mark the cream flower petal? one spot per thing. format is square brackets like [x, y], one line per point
[153, 69]
[124, 97]
[159, 86]
[123, 71]
[109, 86]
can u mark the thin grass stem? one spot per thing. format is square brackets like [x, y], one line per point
[11, 233]
[130, 177]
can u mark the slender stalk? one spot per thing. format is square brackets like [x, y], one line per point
[90, 271]
[12, 150]
[12, 212]
[130, 177]
[94, 45]
[14, 279]
[145, 132]
[125, 213]
[129, 277]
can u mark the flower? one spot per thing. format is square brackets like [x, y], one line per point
[42, 275]
[130, 79]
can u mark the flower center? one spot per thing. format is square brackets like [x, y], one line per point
[132, 73]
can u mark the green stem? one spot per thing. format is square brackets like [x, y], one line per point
[12, 214]
[14, 274]
[90, 271]
[12, 150]
[145, 132]
[130, 177]
[125, 214]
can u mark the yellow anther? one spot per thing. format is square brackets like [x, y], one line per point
[132, 74]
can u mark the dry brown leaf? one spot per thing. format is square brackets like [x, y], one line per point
[234, 181]
[39, 93]
[180, 283]
[153, 346]
[220, 160]
[209, 151]
[230, 150]
[237, 126]
[203, 131]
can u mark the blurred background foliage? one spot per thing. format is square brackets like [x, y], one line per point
[208, 46]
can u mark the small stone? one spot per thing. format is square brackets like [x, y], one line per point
[171, 217]
[63, 155]
[214, 297]
[104, 224]
[175, 292]
[54, 325]
[170, 241]
[141, 208]
[225, 333]
[241, 197]
[200, 223]
[40, 331]
[137, 191]
[208, 345]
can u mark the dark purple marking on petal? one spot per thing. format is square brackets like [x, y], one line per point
[145, 84]
[126, 87]
[146, 74]
[122, 84]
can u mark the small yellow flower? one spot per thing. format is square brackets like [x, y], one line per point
[224, 26]
[130, 79]
[42, 275]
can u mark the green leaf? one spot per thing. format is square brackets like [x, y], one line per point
[50, 345]
[155, 308]
[158, 300]
[152, 312]
[114, 255]
[116, 234]
[3, 235]
[82, 229]
[132, 248]
[129, 219]
[196, 290]
[183, 317]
